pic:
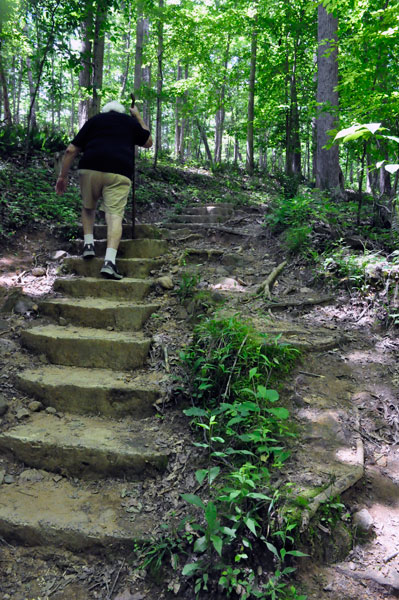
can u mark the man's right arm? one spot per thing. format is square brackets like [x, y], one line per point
[134, 111]
[70, 154]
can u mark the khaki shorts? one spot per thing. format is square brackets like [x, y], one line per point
[111, 187]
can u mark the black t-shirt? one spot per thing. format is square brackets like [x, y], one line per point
[108, 141]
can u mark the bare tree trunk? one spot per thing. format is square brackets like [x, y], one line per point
[21, 74]
[327, 161]
[32, 117]
[205, 140]
[6, 102]
[177, 116]
[98, 57]
[146, 75]
[251, 103]
[85, 75]
[138, 61]
[158, 125]
[128, 38]
[221, 112]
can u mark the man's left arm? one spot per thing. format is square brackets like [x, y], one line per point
[70, 154]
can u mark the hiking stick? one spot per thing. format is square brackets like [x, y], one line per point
[133, 180]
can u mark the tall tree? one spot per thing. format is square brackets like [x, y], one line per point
[250, 165]
[327, 161]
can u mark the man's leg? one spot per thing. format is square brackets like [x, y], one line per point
[90, 187]
[115, 195]
[114, 230]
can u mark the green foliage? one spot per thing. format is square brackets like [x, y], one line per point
[187, 285]
[224, 353]
[31, 199]
[345, 264]
[13, 140]
[244, 429]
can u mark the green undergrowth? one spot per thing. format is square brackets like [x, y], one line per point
[238, 543]
[27, 196]
[311, 222]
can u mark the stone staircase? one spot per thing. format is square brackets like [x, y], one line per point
[95, 433]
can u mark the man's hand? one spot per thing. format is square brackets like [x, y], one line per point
[134, 111]
[61, 185]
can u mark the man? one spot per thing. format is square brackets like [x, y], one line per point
[105, 171]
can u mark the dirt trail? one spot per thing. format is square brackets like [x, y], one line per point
[343, 397]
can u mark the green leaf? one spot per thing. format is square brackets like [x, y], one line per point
[193, 499]
[251, 524]
[280, 413]
[190, 569]
[258, 496]
[297, 553]
[211, 514]
[200, 475]
[272, 549]
[201, 544]
[195, 412]
[217, 543]
[213, 473]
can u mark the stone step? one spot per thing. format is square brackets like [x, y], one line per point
[92, 391]
[129, 267]
[140, 231]
[88, 347]
[195, 219]
[141, 248]
[221, 205]
[210, 209]
[99, 312]
[87, 447]
[125, 289]
[65, 515]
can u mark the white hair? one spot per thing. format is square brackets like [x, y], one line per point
[116, 106]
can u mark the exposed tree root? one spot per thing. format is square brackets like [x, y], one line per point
[266, 286]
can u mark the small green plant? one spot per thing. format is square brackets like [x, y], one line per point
[238, 529]
[187, 285]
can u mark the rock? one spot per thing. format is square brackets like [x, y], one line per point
[2, 475]
[166, 282]
[228, 284]
[23, 306]
[58, 255]
[35, 406]
[7, 346]
[51, 410]
[232, 260]
[3, 406]
[38, 271]
[62, 322]
[22, 413]
[9, 479]
[31, 475]
[11, 298]
[181, 313]
[363, 520]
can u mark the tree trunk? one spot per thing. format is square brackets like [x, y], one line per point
[138, 60]
[32, 122]
[6, 102]
[221, 112]
[98, 58]
[158, 124]
[327, 161]
[205, 140]
[251, 103]
[128, 38]
[85, 75]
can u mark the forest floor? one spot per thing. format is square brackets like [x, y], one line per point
[354, 385]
